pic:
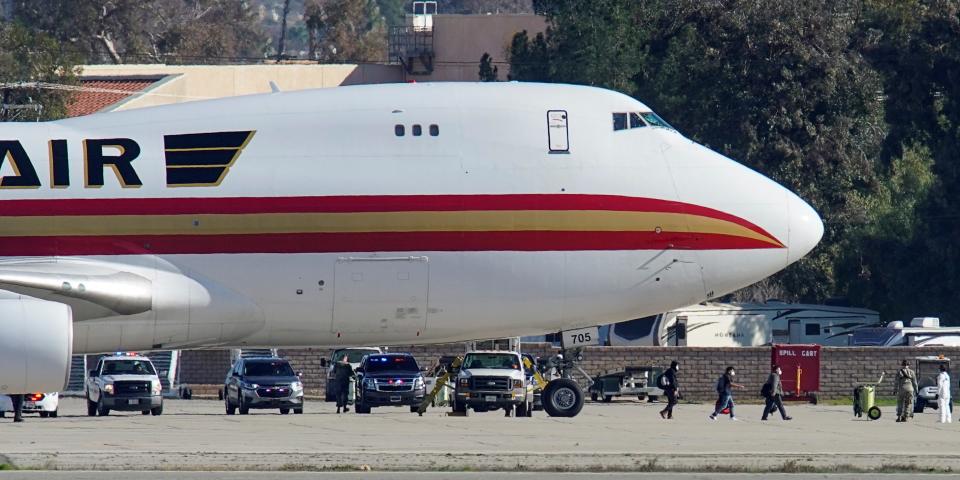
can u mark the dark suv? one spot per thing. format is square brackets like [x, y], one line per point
[262, 382]
[390, 379]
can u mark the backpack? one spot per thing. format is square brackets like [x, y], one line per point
[722, 384]
[662, 381]
[767, 390]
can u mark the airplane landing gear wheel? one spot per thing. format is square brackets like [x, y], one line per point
[562, 398]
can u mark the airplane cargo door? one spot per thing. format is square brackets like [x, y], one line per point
[380, 295]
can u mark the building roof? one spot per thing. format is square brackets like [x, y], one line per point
[98, 93]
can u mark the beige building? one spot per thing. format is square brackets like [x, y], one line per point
[429, 48]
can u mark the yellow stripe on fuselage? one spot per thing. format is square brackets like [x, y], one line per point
[374, 222]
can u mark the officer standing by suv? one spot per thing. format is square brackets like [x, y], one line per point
[342, 373]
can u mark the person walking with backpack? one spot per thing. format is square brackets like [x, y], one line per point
[905, 387]
[772, 391]
[725, 386]
[667, 381]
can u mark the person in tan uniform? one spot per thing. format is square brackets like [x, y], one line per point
[905, 387]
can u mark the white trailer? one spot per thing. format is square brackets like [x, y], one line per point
[745, 325]
[922, 332]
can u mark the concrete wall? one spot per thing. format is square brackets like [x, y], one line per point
[460, 40]
[185, 83]
[840, 368]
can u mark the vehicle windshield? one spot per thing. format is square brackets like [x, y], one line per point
[927, 373]
[128, 367]
[268, 368]
[382, 363]
[353, 355]
[503, 361]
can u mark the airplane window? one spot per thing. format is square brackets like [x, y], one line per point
[398, 130]
[417, 130]
[635, 121]
[812, 328]
[434, 130]
[654, 120]
[619, 121]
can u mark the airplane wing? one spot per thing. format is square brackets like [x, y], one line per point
[91, 289]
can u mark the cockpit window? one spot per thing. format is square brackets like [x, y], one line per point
[619, 121]
[635, 121]
[654, 120]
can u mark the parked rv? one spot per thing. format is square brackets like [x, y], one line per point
[922, 332]
[745, 325]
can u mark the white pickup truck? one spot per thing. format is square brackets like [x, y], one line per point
[490, 380]
[124, 383]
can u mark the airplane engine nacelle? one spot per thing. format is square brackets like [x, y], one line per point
[36, 343]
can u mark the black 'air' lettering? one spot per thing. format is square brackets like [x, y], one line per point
[25, 175]
[95, 161]
[59, 164]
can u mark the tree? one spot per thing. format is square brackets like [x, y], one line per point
[147, 30]
[346, 31]
[488, 71]
[910, 264]
[28, 57]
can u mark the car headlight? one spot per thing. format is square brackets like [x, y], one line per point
[108, 389]
[370, 383]
[156, 387]
[296, 386]
[250, 386]
[464, 382]
[518, 384]
[418, 383]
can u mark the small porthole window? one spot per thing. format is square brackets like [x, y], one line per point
[434, 130]
[417, 130]
[398, 130]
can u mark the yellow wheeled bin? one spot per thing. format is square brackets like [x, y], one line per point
[864, 400]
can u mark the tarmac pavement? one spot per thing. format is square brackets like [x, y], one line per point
[624, 436]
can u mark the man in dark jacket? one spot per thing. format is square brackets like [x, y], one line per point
[725, 386]
[342, 374]
[773, 392]
[671, 389]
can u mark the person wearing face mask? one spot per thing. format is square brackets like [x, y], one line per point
[670, 388]
[773, 393]
[725, 386]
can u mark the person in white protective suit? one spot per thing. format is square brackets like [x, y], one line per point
[943, 395]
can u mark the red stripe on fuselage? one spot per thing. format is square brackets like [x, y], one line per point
[370, 242]
[358, 203]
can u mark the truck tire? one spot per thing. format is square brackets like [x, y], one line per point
[102, 410]
[458, 407]
[91, 408]
[562, 398]
[594, 396]
[44, 414]
[157, 411]
[607, 398]
[53, 414]
[229, 406]
[284, 411]
[361, 407]
[918, 405]
[243, 408]
[298, 411]
[524, 410]
[145, 412]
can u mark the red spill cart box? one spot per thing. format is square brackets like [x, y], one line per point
[801, 370]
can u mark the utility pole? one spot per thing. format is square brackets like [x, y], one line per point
[283, 30]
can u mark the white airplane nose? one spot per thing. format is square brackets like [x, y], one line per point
[805, 228]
